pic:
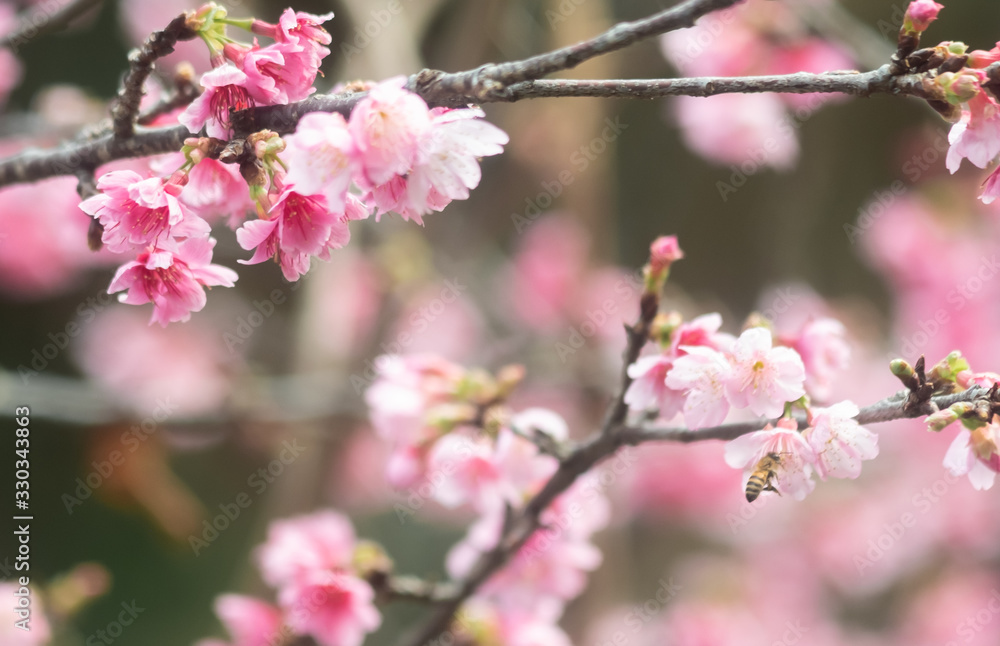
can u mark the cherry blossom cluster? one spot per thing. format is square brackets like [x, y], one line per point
[394, 154]
[453, 437]
[975, 451]
[966, 86]
[317, 566]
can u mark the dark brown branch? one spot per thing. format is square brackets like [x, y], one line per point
[158, 45]
[490, 80]
[602, 446]
[36, 22]
[33, 165]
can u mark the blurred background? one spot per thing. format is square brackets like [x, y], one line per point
[793, 206]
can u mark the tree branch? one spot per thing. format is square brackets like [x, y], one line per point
[602, 446]
[29, 26]
[159, 44]
[68, 159]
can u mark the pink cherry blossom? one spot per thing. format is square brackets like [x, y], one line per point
[921, 13]
[301, 28]
[215, 189]
[278, 74]
[991, 187]
[225, 88]
[649, 389]
[336, 609]
[136, 211]
[663, 252]
[976, 136]
[249, 621]
[321, 157]
[797, 457]
[447, 165]
[701, 330]
[839, 442]
[976, 454]
[764, 378]
[702, 374]
[264, 236]
[301, 545]
[523, 469]
[388, 126]
[825, 353]
[173, 278]
[466, 470]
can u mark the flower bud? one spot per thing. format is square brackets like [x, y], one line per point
[920, 14]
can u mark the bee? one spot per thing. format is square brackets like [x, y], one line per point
[763, 473]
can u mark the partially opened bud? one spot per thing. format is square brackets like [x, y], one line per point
[920, 14]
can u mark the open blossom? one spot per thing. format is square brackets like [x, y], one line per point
[173, 278]
[764, 378]
[136, 211]
[976, 136]
[465, 469]
[447, 165]
[335, 608]
[388, 126]
[796, 457]
[300, 28]
[649, 389]
[279, 73]
[976, 453]
[991, 187]
[297, 546]
[215, 189]
[839, 442]
[702, 374]
[321, 157]
[225, 88]
[249, 621]
[701, 330]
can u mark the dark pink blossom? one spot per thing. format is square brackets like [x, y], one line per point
[225, 88]
[173, 278]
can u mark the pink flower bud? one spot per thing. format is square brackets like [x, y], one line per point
[920, 14]
[664, 251]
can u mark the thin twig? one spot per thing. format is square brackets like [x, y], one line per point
[159, 44]
[480, 84]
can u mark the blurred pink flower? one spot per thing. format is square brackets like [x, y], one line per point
[217, 190]
[465, 469]
[173, 278]
[43, 221]
[839, 442]
[797, 458]
[336, 609]
[702, 330]
[249, 621]
[38, 633]
[764, 378]
[735, 129]
[825, 353]
[960, 608]
[144, 366]
[649, 389]
[300, 546]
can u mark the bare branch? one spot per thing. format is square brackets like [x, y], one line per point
[35, 22]
[479, 85]
[159, 44]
